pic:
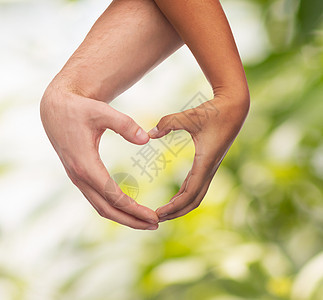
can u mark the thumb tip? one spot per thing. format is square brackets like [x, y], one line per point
[153, 132]
[142, 136]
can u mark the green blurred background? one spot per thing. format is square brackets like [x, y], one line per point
[258, 234]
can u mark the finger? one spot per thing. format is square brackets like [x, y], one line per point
[191, 120]
[121, 124]
[196, 202]
[199, 175]
[109, 212]
[91, 170]
[183, 186]
[170, 122]
[193, 205]
[181, 190]
[121, 201]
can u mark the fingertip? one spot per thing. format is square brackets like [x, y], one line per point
[153, 132]
[153, 220]
[153, 227]
[142, 137]
[160, 213]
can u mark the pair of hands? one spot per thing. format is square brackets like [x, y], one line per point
[75, 124]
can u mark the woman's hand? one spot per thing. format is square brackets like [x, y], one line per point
[213, 127]
[74, 124]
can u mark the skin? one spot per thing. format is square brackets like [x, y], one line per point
[215, 124]
[129, 39]
[75, 111]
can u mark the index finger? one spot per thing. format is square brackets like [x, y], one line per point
[200, 173]
[115, 197]
[93, 172]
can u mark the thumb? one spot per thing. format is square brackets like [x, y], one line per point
[167, 124]
[122, 124]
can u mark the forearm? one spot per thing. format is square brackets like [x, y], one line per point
[129, 39]
[203, 26]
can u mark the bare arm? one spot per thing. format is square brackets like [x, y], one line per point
[129, 39]
[203, 26]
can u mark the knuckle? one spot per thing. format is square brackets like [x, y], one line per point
[172, 207]
[164, 121]
[72, 176]
[75, 180]
[78, 172]
[126, 124]
[192, 193]
[134, 204]
[197, 118]
[113, 200]
[170, 122]
[103, 213]
[189, 112]
[118, 200]
[173, 204]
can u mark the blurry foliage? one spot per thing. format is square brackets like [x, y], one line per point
[260, 227]
[254, 242]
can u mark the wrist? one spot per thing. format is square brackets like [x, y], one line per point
[66, 84]
[234, 103]
[237, 94]
[58, 94]
[73, 82]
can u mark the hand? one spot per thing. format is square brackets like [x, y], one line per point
[213, 127]
[74, 124]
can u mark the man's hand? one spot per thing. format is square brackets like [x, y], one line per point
[129, 39]
[74, 125]
[213, 127]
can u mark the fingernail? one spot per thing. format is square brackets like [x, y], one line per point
[153, 227]
[141, 134]
[139, 131]
[153, 131]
